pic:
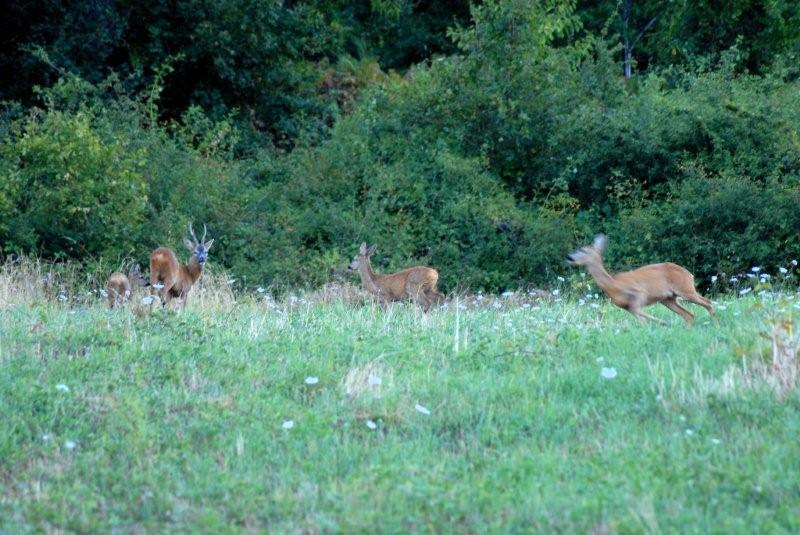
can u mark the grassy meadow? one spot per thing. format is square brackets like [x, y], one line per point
[324, 413]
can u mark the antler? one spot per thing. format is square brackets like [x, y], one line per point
[191, 232]
[204, 233]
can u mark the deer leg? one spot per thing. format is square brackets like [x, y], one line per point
[673, 305]
[698, 299]
[635, 308]
[417, 293]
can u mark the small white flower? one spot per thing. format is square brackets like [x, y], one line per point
[734, 280]
[783, 270]
[556, 291]
[594, 305]
[581, 302]
[507, 294]
[260, 290]
[288, 424]
[722, 307]
[755, 269]
[765, 277]
[61, 387]
[561, 279]
[689, 432]
[526, 305]
[70, 444]
[608, 373]
[374, 380]
[423, 410]
[745, 291]
[497, 304]
[682, 418]
[103, 293]
[46, 437]
[794, 262]
[158, 286]
[146, 300]
[599, 359]
[311, 380]
[713, 279]
[231, 281]
[62, 297]
[371, 424]
[715, 441]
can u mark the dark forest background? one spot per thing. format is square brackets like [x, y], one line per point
[486, 139]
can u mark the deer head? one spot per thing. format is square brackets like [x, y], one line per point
[362, 257]
[198, 248]
[591, 254]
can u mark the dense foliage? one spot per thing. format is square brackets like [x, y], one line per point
[516, 141]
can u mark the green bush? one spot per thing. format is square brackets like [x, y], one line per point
[72, 193]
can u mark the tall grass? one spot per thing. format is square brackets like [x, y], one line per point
[324, 412]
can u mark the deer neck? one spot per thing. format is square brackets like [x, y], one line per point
[604, 280]
[194, 269]
[368, 276]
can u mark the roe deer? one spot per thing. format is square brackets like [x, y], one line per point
[118, 287]
[634, 290]
[416, 283]
[173, 279]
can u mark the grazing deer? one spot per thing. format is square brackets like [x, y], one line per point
[170, 277]
[118, 287]
[634, 290]
[416, 283]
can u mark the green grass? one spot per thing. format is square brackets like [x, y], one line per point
[177, 420]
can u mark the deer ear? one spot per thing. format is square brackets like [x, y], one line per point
[363, 248]
[189, 245]
[371, 250]
[208, 244]
[600, 243]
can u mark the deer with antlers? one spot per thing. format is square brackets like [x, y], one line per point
[634, 290]
[416, 283]
[118, 286]
[173, 279]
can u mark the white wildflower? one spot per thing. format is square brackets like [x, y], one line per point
[260, 290]
[689, 432]
[561, 279]
[713, 279]
[70, 444]
[783, 270]
[147, 300]
[715, 441]
[745, 291]
[371, 424]
[422, 409]
[497, 304]
[103, 293]
[311, 380]
[62, 387]
[755, 269]
[46, 437]
[288, 424]
[556, 291]
[608, 373]
[507, 294]
[794, 262]
[231, 281]
[374, 380]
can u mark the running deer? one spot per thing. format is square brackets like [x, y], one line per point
[416, 283]
[118, 287]
[173, 279]
[634, 290]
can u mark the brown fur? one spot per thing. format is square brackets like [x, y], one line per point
[176, 278]
[416, 283]
[634, 290]
[118, 287]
